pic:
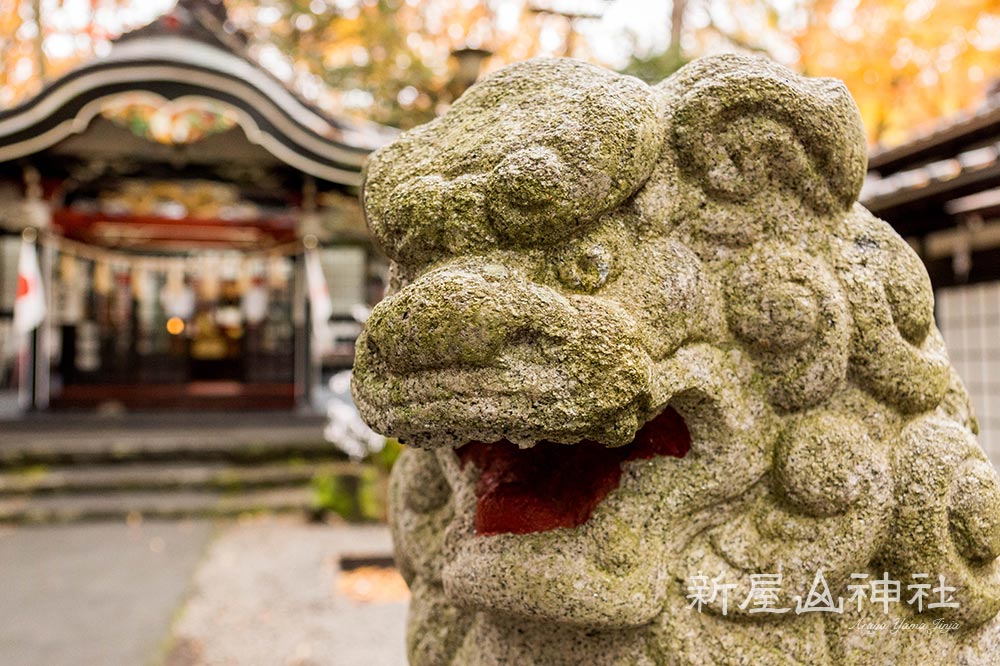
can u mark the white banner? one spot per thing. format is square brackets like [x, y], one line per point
[29, 305]
[319, 301]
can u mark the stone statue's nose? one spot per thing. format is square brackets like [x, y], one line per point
[452, 319]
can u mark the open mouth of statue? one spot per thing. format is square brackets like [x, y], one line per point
[551, 485]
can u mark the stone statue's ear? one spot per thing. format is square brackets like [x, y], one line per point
[529, 155]
[745, 126]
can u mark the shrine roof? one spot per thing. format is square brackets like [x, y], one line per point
[194, 52]
[938, 178]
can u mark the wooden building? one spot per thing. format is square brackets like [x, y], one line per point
[175, 186]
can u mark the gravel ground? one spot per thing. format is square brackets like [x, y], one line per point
[267, 595]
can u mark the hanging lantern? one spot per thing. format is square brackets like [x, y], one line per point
[71, 291]
[141, 282]
[103, 282]
[255, 301]
[277, 273]
[122, 274]
[208, 283]
[176, 297]
[69, 269]
[249, 271]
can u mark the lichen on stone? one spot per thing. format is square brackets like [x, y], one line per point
[575, 253]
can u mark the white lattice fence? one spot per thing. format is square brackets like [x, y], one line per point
[969, 318]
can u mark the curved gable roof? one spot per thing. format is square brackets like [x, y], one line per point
[174, 64]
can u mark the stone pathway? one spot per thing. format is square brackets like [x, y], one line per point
[94, 594]
[262, 592]
[267, 594]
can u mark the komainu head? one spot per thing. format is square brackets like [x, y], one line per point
[671, 395]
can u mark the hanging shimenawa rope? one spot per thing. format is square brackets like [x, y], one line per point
[96, 253]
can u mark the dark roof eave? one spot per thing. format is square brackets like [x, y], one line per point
[941, 144]
[916, 211]
[271, 115]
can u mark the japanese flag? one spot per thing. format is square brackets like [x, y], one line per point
[29, 305]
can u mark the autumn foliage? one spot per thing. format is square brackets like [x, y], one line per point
[907, 62]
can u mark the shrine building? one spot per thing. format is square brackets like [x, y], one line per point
[183, 204]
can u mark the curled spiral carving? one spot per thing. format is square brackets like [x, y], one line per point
[789, 308]
[948, 515]
[893, 351]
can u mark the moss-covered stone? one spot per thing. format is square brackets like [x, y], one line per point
[575, 251]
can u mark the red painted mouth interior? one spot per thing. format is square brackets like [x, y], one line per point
[556, 485]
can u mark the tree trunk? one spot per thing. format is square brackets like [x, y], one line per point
[36, 6]
[676, 28]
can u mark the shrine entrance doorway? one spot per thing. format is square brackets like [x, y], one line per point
[184, 318]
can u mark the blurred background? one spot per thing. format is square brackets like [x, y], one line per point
[184, 268]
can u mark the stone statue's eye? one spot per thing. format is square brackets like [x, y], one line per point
[585, 267]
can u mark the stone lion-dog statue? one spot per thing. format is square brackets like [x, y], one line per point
[670, 394]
